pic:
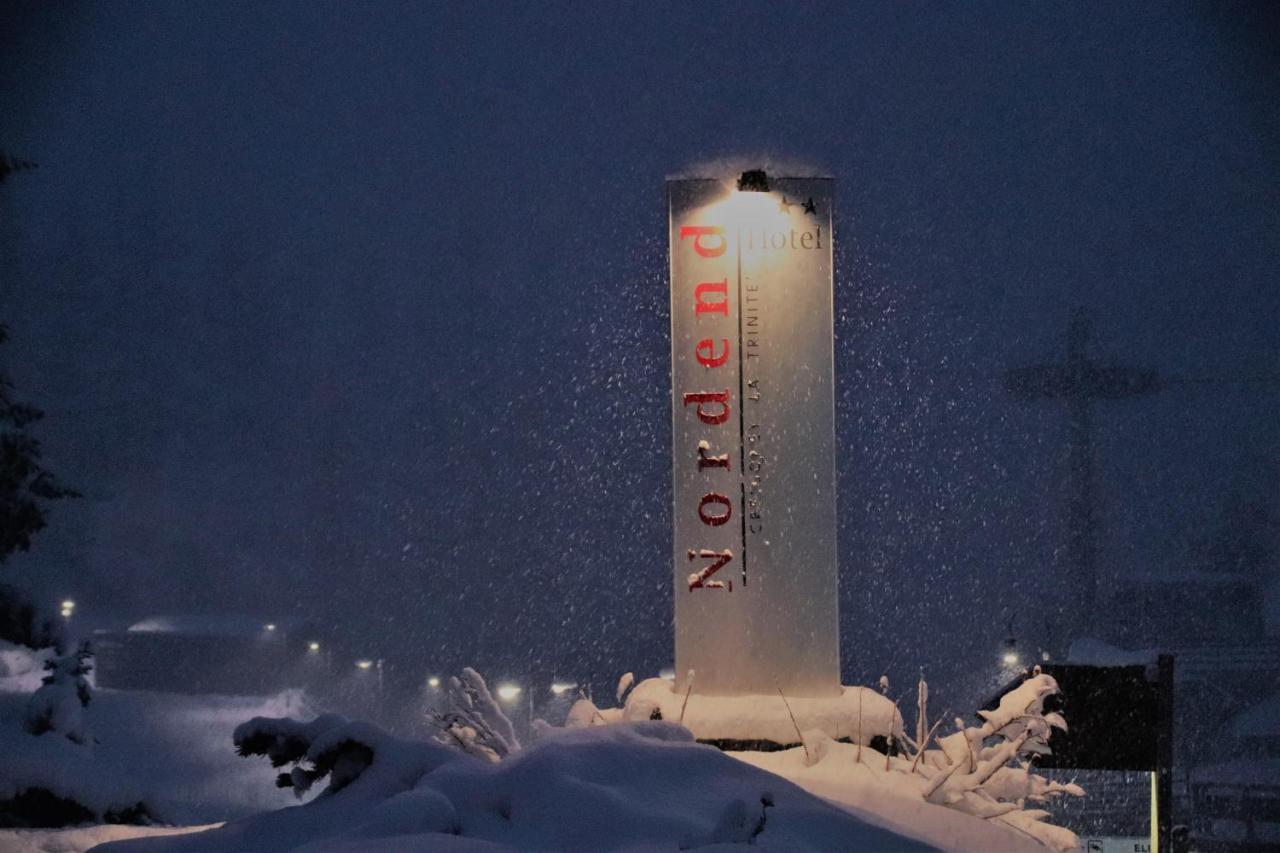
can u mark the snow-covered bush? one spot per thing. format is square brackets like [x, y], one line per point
[471, 720]
[333, 746]
[985, 770]
[58, 705]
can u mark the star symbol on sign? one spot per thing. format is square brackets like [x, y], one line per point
[810, 207]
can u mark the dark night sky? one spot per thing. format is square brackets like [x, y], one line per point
[359, 311]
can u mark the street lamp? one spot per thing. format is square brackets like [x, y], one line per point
[68, 608]
[313, 647]
[433, 681]
[508, 692]
[559, 688]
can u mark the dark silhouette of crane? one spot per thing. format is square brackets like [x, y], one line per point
[1080, 382]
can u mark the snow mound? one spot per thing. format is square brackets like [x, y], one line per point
[167, 751]
[632, 786]
[857, 713]
[21, 669]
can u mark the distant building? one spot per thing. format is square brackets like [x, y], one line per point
[203, 654]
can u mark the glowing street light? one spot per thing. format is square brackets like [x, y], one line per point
[364, 664]
[1011, 658]
[68, 608]
[508, 692]
[313, 646]
[270, 626]
[559, 688]
[433, 681]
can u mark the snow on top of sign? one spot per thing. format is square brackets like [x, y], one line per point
[858, 713]
[729, 167]
[1090, 652]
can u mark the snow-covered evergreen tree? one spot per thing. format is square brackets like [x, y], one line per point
[58, 704]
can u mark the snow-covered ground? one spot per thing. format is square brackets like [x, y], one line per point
[631, 786]
[855, 780]
[610, 783]
[172, 752]
[82, 838]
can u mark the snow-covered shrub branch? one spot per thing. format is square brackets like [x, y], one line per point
[986, 771]
[471, 720]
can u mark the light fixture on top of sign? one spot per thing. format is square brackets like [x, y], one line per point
[753, 181]
[754, 208]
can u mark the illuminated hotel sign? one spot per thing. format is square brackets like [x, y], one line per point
[753, 445]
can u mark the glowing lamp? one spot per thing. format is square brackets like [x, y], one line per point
[313, 646]
[364, 664]
[433, 681]
[559, 688]
[508, 692]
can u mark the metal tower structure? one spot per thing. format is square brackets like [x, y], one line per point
[1080, 382]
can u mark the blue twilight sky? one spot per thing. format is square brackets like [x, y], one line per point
[358, 311]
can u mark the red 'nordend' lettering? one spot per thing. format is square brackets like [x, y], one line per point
[704, 397]
[705, 352]
[711, 499]
[701, 580]
[697, 232]
[720, 460]
[714, 288]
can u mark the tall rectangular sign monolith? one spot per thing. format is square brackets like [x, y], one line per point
[753, 443]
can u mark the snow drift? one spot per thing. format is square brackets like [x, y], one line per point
[634, 786]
